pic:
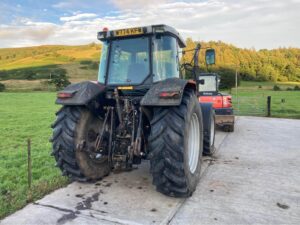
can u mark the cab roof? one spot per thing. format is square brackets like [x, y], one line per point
[141, 31]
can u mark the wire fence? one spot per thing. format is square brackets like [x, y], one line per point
[285, 104]
[250, 106]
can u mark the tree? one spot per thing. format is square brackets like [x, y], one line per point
[2, 87]
[275, 65]
[59, 79]
[227, 78]
[276, 88]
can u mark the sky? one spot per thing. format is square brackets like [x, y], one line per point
[255, 24]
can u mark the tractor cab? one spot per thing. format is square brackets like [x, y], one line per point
[139, 57]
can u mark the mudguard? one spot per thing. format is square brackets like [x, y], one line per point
[176, 85]
[81, 93]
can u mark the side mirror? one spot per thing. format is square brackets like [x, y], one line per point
[210, 57]
[202, 81]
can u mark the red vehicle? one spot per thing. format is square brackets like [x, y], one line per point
[222, 104]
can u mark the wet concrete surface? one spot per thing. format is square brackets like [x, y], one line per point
[254, 178]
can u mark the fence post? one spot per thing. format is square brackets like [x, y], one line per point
[269, 106]
[29, 162]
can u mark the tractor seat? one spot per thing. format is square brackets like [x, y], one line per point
[136, 73]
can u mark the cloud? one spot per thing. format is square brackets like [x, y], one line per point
[78, 17]
[62, 5]
[26, 34]
[258, 23]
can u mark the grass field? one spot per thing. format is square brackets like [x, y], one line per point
[22, 116]
[252, 99]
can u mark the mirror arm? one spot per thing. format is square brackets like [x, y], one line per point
[196, 57]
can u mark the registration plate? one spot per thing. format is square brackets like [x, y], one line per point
[125, 88]
[129, 31]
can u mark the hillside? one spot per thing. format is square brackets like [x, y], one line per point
[81, 62]
[27, 68]
[15, 58]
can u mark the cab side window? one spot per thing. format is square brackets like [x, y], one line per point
[165, 58]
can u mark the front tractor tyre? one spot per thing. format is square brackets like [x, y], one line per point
[176, 145]
[74, 134]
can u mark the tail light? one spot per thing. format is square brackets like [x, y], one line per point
[227, 102]
[66, 94]
[169, 94]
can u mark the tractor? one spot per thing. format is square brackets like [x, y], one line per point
[222, 103]
[140, 108]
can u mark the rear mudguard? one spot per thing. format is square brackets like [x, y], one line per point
[82, 93]
[152, 97]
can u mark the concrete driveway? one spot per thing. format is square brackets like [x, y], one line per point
[254, 178]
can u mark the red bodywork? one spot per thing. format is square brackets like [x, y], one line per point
[222, 104]
[219, 101]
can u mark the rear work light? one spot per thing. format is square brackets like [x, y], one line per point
[159, 29]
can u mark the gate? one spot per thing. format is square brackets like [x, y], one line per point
[250, 105]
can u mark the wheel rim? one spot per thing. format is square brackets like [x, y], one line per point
[92, 132]
[194, 143]
[212, 131]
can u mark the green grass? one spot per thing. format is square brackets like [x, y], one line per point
[23, 116]
[252, 100]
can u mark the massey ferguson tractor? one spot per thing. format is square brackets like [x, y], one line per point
[140, 108]
[222, 104]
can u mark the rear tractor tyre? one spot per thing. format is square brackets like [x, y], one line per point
[74, 134]
[176, 145]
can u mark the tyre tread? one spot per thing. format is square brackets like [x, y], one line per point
[166, 149]
[63, 142]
